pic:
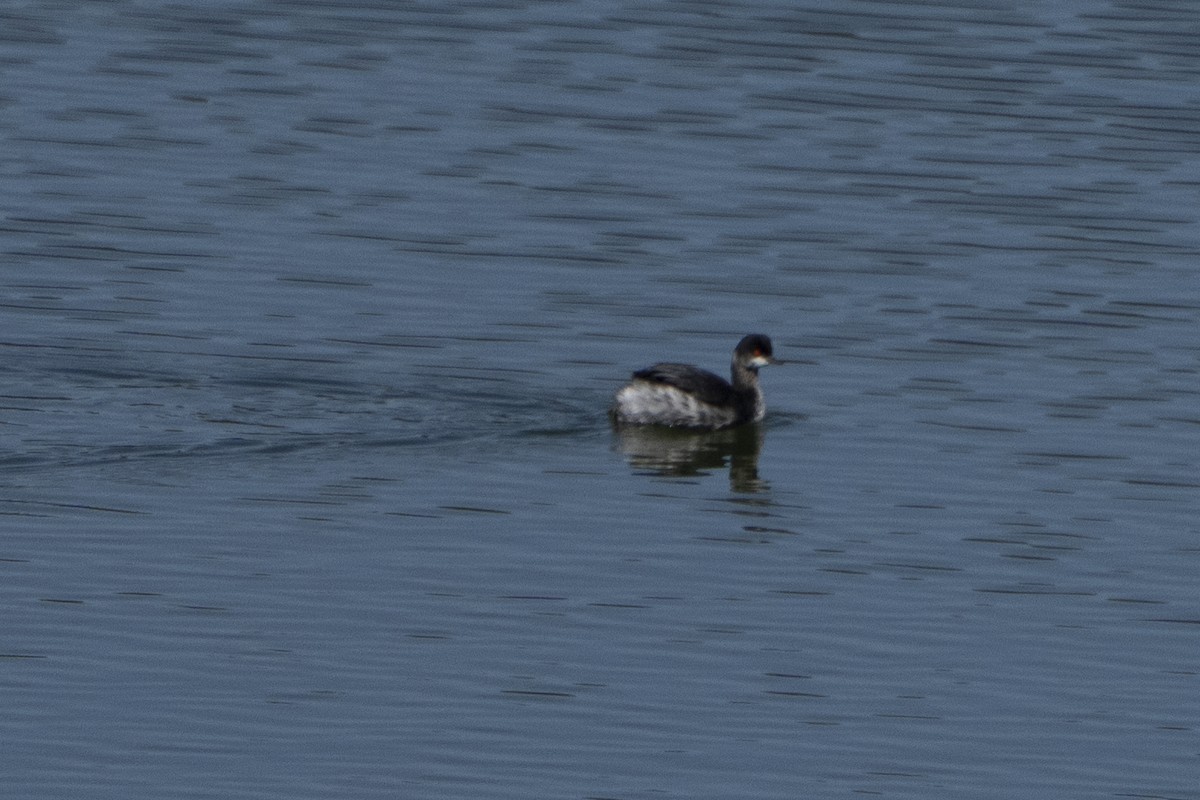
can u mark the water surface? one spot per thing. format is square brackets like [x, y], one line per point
[310, 317]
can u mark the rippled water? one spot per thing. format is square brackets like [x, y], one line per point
[311, 313]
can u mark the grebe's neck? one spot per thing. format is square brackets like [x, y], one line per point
[744, 377]
[748, 394]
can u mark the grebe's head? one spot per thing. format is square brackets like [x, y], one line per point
[754, 351]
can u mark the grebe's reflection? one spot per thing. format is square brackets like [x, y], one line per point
[682, 452]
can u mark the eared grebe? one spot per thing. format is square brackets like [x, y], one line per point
[684, 396]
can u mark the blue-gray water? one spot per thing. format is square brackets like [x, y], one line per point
[310, 312]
